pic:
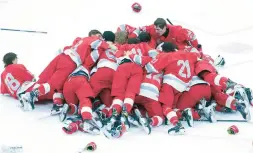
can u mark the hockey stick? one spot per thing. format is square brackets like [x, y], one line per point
[19, 30]
[188, 42]
[169, 21]
[237, 121]
[44, 117]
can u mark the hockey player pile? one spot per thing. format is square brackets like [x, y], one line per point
[108, 82]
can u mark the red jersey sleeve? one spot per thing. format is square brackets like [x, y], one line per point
[139, 59]
[158, 64]
[186, 35]
[3, 89]
[121, 50]
[97, 43]
[141, 54]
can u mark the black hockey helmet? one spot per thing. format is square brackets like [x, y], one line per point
[9, 58]
[109, 36]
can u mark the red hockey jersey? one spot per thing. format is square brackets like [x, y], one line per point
[178, 69]
[107, 59]
[15, 79]
[141, 53]
[150, 86]
[81, 49]
[176, 34]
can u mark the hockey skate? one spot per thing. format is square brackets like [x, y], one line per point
[246, 93]
[97, 105]
[249, 94]
[99, 118]
[178, 129]
[133, 119]
[230, 85]
[64, 112]
[109, 122]
[124, 118]
[117, 130]
[187, 116]
[57, 108]
[242, 106]
[143, 121]
[207, 112]
[90, 127]
[27, 99]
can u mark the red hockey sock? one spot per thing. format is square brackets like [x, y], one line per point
[156, 121]
[58, 98]
[195, 114]
[171, 115]
[128, 103]
[44, 89]
[116, 104]
[215, 79]
[86, 109]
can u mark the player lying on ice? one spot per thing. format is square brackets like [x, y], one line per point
[16, 79]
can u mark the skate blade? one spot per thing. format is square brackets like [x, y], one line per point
[181, 132]
[27, 107]
[96, 119]
[147, 129]
[106, 133]
[94, 132]
[63, 114]
[125, 122]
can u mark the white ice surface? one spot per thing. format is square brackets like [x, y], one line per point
[222, 27]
